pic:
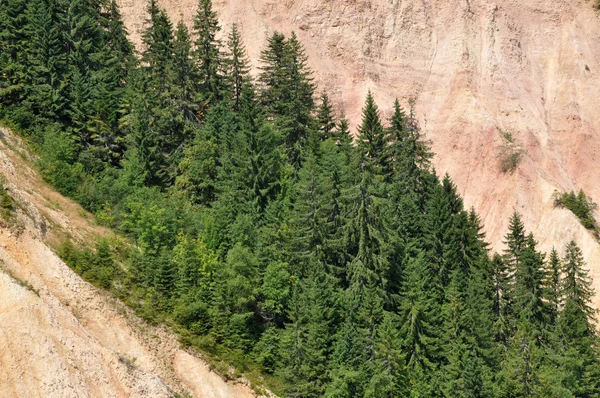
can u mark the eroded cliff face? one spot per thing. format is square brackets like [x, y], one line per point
[477, 69]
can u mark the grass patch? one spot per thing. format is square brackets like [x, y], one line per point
[510, 154]
[20, 281]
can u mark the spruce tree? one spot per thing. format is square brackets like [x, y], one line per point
[325, 118]
[157, 40]
[47, 59]
[372, 139]
[13, 50]
[529, 299]
[208, 53]
[184, 75]
[287, 92]
[237, 68]
[577, 325]
[552, 284]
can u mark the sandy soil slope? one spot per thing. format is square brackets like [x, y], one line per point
[60, 336]
[477, 68]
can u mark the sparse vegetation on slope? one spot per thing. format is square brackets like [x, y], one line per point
[581, 205]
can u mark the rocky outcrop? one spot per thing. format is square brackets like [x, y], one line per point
[478, 69]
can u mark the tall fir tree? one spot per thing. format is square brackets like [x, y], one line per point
[237, 67]
[208, 52]
[372, 139]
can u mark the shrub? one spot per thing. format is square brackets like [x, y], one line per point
[511, 153]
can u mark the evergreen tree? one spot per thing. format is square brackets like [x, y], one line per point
[208, 53]
[13, 50]
[577, 326]
[185, 75]
[237, 69]
[552, 285]
[397, 135]
[529, 299]
[287, 92]
[47, 59]
[157, 40]
[308, 335]
[372, 139]
[325, 118]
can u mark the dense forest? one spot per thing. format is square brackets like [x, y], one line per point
[261, 229]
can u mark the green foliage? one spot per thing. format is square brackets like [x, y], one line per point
[510, 154]
[265, 237]
[581, 205]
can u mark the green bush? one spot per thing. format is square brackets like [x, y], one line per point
[511, 153]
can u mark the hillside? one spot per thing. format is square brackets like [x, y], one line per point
[61, 336]
[477, 68]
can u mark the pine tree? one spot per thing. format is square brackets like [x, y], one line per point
[237, 69]
[185, 75]
[325, 118]
[287, 92]
[552, 285]
[372, 139]
[577, 328]
[13, 50]
[208, 54]
[47, 59]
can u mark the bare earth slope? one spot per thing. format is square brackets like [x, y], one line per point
[60, 336]
[477, 68]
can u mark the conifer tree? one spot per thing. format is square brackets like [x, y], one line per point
[325, 118]
[47, 57]
[13, 50]
[157, 40]
[577, 325]
[372, 139]
[389, 377]
[417, 161]
[529, 299]
[552, 285]
[185, 75]
[116, 57]
[397, 136]
[237, 69]
[308, 335]
[287, 92]
[208, 52]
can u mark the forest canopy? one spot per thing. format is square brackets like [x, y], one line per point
[338, 265]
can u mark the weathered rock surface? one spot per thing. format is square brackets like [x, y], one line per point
[477, 69]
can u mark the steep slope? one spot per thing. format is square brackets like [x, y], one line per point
[478, 69]
[60, 336]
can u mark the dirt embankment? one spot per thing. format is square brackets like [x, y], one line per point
[60, 336]
[477, 69]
